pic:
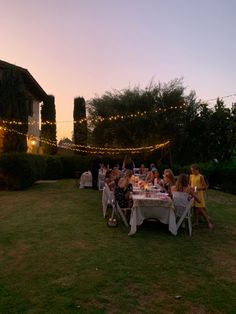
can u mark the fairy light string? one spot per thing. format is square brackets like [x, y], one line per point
[138, 114]
[94, 149]
[118, 117]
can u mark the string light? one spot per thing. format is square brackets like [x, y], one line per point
[93, 149]
[99, 119]
[112, 117]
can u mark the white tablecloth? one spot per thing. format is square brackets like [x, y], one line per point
[152, 207]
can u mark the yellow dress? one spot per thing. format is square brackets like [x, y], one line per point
[195, 180]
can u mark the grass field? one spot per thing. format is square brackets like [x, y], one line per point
[58, 256]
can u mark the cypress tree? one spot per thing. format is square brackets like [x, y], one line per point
[80, 129]
[14, 107]
[48, 130]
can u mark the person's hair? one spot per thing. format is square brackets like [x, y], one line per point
[195, 166]
[108, 173]
[128, 173]
[170, 175]
[182, 182]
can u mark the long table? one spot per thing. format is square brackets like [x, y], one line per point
[146, 207]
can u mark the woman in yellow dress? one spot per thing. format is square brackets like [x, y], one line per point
[198, 184]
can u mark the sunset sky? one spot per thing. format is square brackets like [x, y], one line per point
[86, 47]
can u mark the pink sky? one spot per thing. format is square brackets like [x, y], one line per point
[86, 47]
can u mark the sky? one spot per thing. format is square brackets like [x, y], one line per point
[87, 47]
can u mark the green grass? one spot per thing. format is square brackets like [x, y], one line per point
[58, 256]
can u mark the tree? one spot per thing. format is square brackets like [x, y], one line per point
[48, 129]
[80, 128]
[219, 141]
[14, 107]
[233, 129]
[141, 117]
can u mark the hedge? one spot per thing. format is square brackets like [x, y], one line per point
[54, 168]
[20, 170]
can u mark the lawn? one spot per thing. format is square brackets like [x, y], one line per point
[57, 255]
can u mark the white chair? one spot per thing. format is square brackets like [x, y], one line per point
[101, 178]
[86, 180]
[119, 211]
[183, 208]
[107, 199]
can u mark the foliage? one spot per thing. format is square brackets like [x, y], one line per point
[220, 175]
[48, 130]
[196, 132]
[14, 107]
[54, 168]
[140, 131]
[80, 129]
[21, 170]
[72, 164]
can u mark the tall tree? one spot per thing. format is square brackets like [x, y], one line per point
[48, 129]
[80, 128]
[233, 129]
[219, 140]
[14, 107]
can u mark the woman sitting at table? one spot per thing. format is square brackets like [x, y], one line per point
[153, 177]
[169, 180]
[116, 173]
[109, 180]
[182, 194]
[142, 171]
[122, 191]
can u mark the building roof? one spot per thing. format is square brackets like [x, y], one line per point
[31, 84]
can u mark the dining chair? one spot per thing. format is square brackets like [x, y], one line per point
[107, 199]
[183, 211]
[101, 182]
[120, 212]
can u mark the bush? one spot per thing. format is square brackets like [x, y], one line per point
[72, 164]
[220, 175]
[54, 168]
[39, 166]
[21, 170]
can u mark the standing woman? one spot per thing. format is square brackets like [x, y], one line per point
[198, 184]
[128, 164]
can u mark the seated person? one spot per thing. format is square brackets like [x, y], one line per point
[152, 165]
[142, 171]
[153, 177]
[182, 193]
[116, 173]
[122, 191]
[169, 180]
[109, 180]
[102, 169]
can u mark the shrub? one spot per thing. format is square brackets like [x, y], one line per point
[220, 175]
[72, 164]
[54, 168]
[20, 170]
